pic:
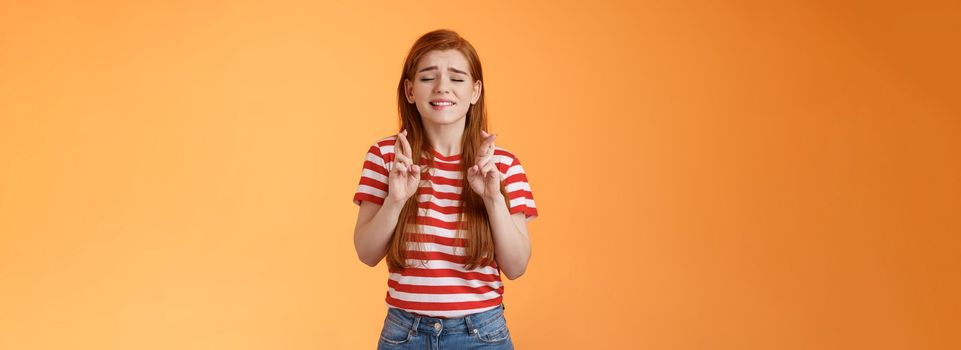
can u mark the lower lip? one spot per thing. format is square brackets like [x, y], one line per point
[437, 108]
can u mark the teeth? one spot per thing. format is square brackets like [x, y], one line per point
[441, 103]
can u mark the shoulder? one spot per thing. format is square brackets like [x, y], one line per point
[384, 146]
[505, 156]
[507, 162]
[386, 142]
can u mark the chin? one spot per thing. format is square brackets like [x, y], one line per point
[445, 118]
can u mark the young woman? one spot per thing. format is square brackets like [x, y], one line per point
[446, 240]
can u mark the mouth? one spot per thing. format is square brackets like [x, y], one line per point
[438, 105]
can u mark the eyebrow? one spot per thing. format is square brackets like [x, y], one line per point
[452, 69]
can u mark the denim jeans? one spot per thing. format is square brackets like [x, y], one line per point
[483, 330]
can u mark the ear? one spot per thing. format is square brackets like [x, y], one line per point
[408, 90]
[478, 87]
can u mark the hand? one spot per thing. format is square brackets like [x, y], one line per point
[404, 176]
[484, 177]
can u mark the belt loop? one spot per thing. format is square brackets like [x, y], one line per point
[468, 320]
[416, 322]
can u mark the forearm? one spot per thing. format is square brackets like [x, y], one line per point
[511, 246]
[371, 238]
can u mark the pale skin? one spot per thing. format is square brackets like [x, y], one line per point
[443, 74]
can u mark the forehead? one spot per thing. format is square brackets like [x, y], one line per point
[444, 59]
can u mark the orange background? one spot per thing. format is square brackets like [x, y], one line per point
[178, 175]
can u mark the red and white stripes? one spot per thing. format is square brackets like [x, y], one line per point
[437, 284]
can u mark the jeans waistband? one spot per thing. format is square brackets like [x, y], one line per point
[419, 323]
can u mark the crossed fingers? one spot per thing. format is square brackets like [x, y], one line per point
[403, 154]
[485, 158]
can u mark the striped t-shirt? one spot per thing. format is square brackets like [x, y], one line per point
[442, 287]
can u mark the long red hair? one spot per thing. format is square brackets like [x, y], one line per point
[476, 236]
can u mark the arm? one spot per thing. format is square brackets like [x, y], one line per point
[375, 222]
[512, 245]
[375, 225]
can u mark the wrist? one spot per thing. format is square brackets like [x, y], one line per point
[394, 203]
[499, 197]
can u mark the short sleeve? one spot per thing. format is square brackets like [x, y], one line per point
[373, 178]
[519, 193]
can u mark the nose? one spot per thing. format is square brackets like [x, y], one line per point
[441, 86]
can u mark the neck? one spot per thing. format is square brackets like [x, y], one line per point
[445, 138]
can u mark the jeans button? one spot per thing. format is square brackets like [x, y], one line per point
[437, 326]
